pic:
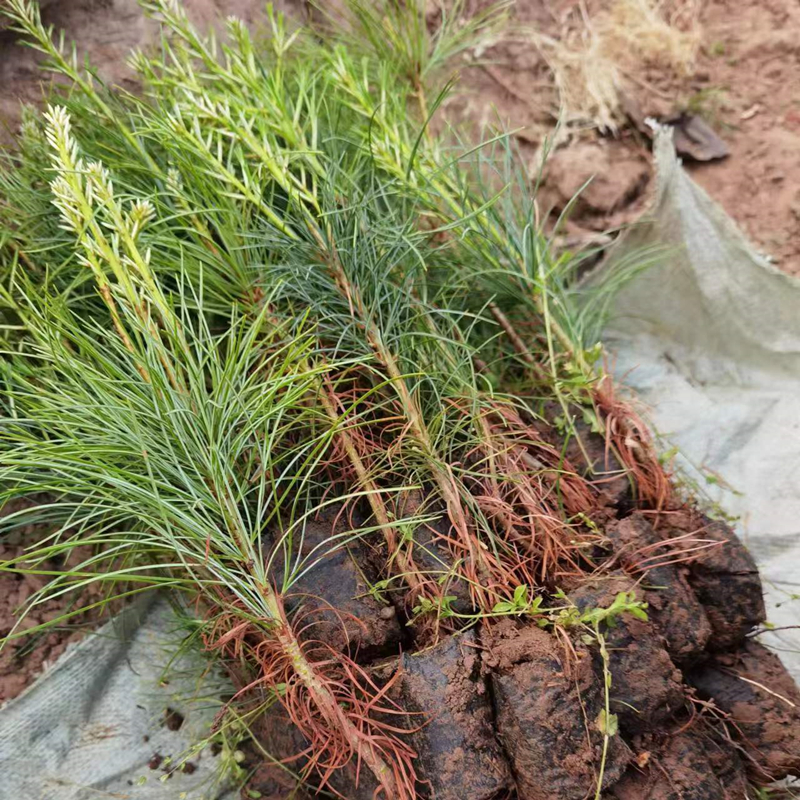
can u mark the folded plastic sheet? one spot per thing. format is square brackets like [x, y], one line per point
[117, 717]
[709, 339]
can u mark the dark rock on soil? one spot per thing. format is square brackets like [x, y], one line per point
[673, 606]
[726, 581]
[360, 624]
[547, 704]
[646, 686]
[763, 702]
[680, 769]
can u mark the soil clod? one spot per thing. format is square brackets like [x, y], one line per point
[589, 453]
[173, 720]
[763, 702]
[673, 606]
[680, 769]
[547, 701]
[447, 699]
[331, 600]
[646, 685]
[725, 580]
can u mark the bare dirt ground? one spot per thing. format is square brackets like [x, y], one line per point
[105, 31]
[758, 69]
[742, 83]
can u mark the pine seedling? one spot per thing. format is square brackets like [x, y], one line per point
[264, 287]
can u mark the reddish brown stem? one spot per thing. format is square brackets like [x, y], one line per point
[390, 535]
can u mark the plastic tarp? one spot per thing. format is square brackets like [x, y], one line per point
[710, 339]
[94, 727]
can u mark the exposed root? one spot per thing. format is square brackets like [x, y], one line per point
[630, 438]
[337, 708]
[531, 492]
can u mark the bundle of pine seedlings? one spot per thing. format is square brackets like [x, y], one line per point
[272, 345]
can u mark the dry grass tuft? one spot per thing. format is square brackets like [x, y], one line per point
[599, 52]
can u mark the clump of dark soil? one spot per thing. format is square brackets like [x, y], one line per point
[277, 777]
[646, 687]
[725, 580]
[432, 557]
[593, 457]
[763, 703]
[726, 762]
[440, 697]
[451, 718]
[509, 709]
[546, 704]
[682, 767]
[270, 782]
[173, 720]
[674, 608]
[331, 597]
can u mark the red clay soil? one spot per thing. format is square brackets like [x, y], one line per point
[752, 686]
[106, 31]
[743, 85]
[23, 660]
[751, 56]
[682, 767]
